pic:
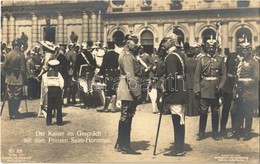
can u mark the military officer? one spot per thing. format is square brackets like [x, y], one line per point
[176, 93]
[15, 68]
[209, 80]
[109, 70]
[247, 89]
[54, 83]
[129, 92]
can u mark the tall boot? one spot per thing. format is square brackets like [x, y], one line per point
[202, 125]
[105, 108]
[16, 106]
[113, 103]
[215, 123]
[248, 127]
[11, 108]
[121, 135]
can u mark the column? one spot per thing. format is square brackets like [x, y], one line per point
[34, 29]
[85, 23]
[93, 27]
[4, 29]
[130, 27]
[99, 26]
[105, 33]
[192, 33]
[161, 32]
[60, 30]
[11, 28]
[224, 35]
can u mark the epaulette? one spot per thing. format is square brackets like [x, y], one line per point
[200, 55]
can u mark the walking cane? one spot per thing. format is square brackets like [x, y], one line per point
[25, 100]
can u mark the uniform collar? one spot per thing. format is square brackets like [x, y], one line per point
[171, 49]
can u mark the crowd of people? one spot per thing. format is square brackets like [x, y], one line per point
[180, 81]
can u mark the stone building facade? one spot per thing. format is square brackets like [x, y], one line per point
[151, 20]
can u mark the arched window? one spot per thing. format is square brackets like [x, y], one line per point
[244, 32]
[118, 38]
[206, 34]
[147, 41]
[180, 36]
[118, 2]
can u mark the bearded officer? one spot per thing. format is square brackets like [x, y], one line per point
[129, 92]
[15, 68]
[247, 89]
[54, 83]
[175, 95]
[209, 80]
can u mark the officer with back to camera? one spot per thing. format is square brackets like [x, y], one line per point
[129, 92]
[209, 80]
[15, 68]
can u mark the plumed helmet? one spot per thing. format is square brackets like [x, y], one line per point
[17, 42]
[48, 45]
[173, 37]
[211, 42]
[243, 42]
[131, 37]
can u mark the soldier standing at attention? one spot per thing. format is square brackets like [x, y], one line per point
[209, 80]
[54, 83]
[129, 92]
[15, 68]
[246, 90]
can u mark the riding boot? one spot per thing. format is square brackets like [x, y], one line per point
[248, 127]
[113, 103]
[202, 125]
[215, 123]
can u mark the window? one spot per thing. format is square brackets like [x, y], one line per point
[118, 2]
[244, 32]
[118, 38]
[49, 34]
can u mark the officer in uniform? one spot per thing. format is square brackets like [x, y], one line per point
[109, 70]
[54, 83]
[176, 93]
[246, 89]
[209, 80]
[129, 92]
[15, 68]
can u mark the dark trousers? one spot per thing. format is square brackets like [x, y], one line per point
[245, 112]
[227, 99]
[124, 127]
[33, 88]
[15, 93]
[179, 133]
[204, 106]
[54, 102]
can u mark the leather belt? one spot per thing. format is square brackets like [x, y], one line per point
[210, 78]
[231, 75]
[245, 79]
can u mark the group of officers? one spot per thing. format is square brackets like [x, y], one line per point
[234, 80]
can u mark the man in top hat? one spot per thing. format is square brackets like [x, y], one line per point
[209, 80]
[14, 67]
[176, 93]
[129, 92]
[54, 83]
[246, 89]
[109, 70]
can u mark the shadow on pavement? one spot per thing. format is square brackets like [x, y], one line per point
[28, 114]
[187, 147]
[140, 145]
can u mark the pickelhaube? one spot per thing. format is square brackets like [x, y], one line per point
[243, 42]
[211, 42]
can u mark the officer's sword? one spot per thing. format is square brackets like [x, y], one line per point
[159, 124]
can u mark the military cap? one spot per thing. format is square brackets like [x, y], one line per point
[53, 63]
[130, 37]
[17, 42]
[49, 45]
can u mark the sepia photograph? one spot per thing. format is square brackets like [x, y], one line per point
[130, 81]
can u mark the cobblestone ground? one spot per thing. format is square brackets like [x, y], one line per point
[89, 136]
